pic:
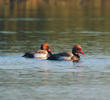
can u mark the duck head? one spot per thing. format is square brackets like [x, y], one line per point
[76, 50]
[46, 47]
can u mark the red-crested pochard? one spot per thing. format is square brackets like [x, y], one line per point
[68, 56]
[43, 53]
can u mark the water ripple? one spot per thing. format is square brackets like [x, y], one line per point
[33, 19]
[8, 32]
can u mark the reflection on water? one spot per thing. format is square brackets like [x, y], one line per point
[23, 78]
[25, 24]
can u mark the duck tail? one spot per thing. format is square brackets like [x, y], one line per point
[28, 55]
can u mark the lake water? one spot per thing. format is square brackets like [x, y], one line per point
[26, 24]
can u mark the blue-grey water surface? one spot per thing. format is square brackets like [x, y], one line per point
[26, 24]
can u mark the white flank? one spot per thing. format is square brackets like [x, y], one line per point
[39, 55]
[64, 58]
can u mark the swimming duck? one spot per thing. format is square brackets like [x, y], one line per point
[43, 53]
[68, 56]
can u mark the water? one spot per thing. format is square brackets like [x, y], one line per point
[25, 24]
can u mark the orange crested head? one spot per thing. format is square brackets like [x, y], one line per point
[45, 46]
[77, 49]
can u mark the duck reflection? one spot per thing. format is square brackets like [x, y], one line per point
[60, 75]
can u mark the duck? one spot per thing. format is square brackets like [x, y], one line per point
[68, 56]
[43, 53]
